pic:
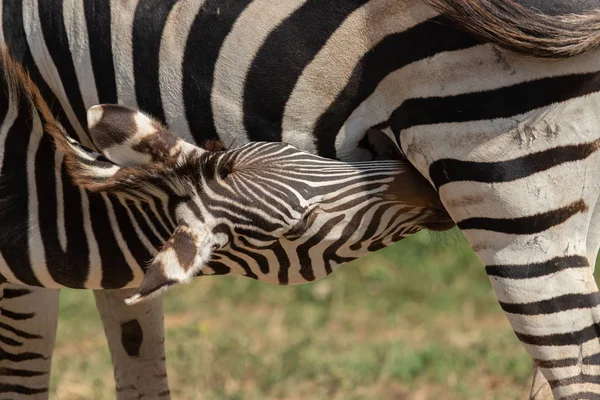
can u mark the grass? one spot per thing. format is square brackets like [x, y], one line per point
[415, 321]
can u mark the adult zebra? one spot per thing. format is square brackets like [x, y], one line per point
[509, 140]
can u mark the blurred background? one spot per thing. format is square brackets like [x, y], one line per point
[415, 321]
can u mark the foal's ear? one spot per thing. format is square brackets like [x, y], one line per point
[129, 137]
[181, 257]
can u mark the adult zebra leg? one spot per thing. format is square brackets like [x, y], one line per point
[28, 320]
[135, 336]
[532, 235]
[540, 388]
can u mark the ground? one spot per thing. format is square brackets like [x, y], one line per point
[415, 321]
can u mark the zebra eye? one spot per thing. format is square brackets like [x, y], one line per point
[224, 171]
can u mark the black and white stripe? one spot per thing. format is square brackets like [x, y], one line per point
[509, 141]
[150, 196]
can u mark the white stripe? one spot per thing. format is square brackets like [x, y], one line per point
[60, 204]
[235, 57]
[577, 388]
[77, 34]
[586, 349]
[2, 26]
[172, 48]
[555, 323]
[7, 272]
[121, 30]
[43, 60]
[522, 197]
[7, 123]
[543, 288]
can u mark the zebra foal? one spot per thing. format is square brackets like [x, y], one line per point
[265, 210]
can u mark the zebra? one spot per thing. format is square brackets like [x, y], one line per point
[493, 101]
[264, 210]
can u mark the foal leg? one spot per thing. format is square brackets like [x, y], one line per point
[28, 320]
[135, 336]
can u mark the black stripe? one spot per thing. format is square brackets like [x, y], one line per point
[148, 23]
[562, 339]
[579, 379]
[553, 305]
[209, 30]
[279, 63]
[21, 372]
[19, 332]
[20, 389]
[14, 243]
[130, 236]
[283, 263]
[9, 341]
[14, 293]
[565, 362]
[593, 359]
[371, 227]
[259, 259]
[303, 250]
[68, 268]
[115, 270]
[498, 103]
[155, 221]
[450, 170]
[163, 216]
[141, 221]
[537, 270]
[392, 53]
[17, 316]
[55, 37]
[330, 254]
[218, 267]
[569, 362]
[18, 357]
[97, 18]
[581, 395]
[223, 228]
[525, 225]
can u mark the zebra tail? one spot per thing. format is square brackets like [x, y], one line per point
[516, 27]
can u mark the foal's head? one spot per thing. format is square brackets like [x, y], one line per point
[265, 210]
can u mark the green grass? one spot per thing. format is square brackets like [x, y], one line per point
[415, 321]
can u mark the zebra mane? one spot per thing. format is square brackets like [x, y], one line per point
[516, 27]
